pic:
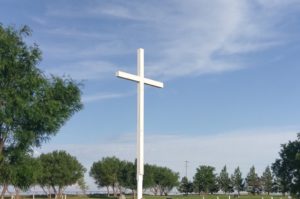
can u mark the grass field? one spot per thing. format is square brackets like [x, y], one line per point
[175, 197]
[215, 197]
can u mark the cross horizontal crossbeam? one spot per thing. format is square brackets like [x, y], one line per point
[139, 79]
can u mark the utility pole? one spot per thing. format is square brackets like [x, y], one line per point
[186, 166]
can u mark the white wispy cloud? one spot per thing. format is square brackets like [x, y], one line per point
[185, 37]
[85, 70]
[76, 33]
[38, 20]
[101, 96]
[243, 148]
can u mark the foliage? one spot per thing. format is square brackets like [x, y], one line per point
[59, 170]
[20, 171]
[287, 167]
[106, 172]
[237, 180]
[165, 179]
[160, 180]
[82, 185]
[32, 106]
[185, 186]
[253, 181]
[127, 175]
[24, 171]
[205, 180]
[267, 180]
[224, 181]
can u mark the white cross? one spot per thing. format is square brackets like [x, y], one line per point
[141, 80]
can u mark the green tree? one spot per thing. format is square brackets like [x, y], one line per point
[127, 176]
[20, 172]
[253, 181]
[287, 167]
[283, 176]
[106, 172]
[165, 179]
[185, 186]
[205, 180]
[237, 180]
[148, 181]
[160, 180]
[267, 180]
[59, 170]
[5, 176]
[224, 181]
[24, 172]
[33, 106]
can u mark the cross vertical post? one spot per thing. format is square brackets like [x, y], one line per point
[140, 123]
[141, 80]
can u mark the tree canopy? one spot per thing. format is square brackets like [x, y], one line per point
[106, 172]
[253, 181]
[185, 186]
[267, 180]
[33, 106]
[287, 167]
[237, 180]
[110, 172]
[205, 179]
[224, 181]
[59, 170]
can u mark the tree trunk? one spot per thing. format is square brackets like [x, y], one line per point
[55, 192]
[17, 192]
[1, 145]
[133, 193]
[59, 193]
[5, 186]
[107, 188]
[114, 190]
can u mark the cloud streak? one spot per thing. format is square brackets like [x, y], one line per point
[181, 38]
[101, 96]
[85, 70]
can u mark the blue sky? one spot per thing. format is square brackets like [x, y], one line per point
[230, 68]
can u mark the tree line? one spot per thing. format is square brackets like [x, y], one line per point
[207, 181]
[282, 177]
[53, 172]
[121, 175]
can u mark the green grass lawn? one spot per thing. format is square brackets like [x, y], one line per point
[214, 197]
[173, 197]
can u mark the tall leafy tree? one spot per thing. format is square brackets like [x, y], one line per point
[253, 181]
[106, 172]
[185, 186]
[287, 167]
[165, 179]
[237, 180]
[127, 176]
[224, 181]
[59, 170]
[148, 181]
[33, 106]
[205, 179]
[267, 180]
[160, 180]
[21, 172]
